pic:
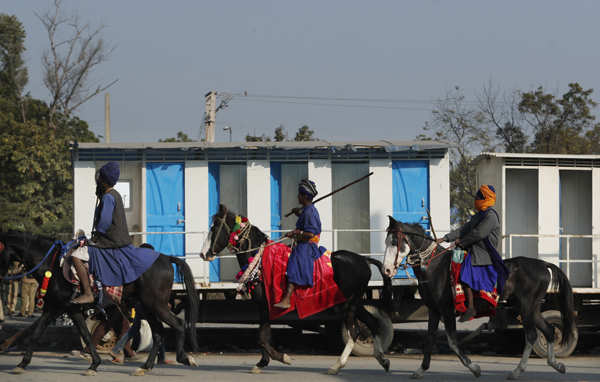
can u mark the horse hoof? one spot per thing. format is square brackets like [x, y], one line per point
[386, 365]
[18, 370]
[513, 375]
[333, 371]
[89, 373]
[560, 367]
[476, 370]
[256, 370]
[287, 359]
[139, 372]
[416, 375]
[192, 361]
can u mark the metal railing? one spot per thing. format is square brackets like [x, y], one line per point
[593, 261]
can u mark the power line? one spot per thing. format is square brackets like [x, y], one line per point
[323, 104]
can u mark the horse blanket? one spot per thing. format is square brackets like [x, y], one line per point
[113, 292]
[307, 301]
[490, 298]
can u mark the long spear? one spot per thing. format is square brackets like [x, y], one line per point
[336, 191]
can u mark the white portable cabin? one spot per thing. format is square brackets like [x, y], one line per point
[550, 208]
[171, 190]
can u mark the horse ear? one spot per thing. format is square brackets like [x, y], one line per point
[392, 220]
[222, 209]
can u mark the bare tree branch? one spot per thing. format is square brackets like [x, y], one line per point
[76, 49]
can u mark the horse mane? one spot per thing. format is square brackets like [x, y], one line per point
[24, 235]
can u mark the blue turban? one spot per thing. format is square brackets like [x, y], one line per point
[109, 173]
[308, 188]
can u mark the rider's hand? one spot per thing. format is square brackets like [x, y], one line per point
[440, 240]
[81, 243]
[296, 210]
[457, 242]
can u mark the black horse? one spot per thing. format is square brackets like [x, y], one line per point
[152, 290]
[351, 273]
[524, 289]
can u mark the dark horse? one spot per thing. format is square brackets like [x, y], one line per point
[152, 289]
[351, 273]
[524, 289]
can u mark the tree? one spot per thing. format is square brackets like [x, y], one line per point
[502, 114]
[304, 133]
[454, 121]
[13, 73]
[560, 124]
[181, 137]
[76, 50]
[280, 134]
[257, 138]
[35, 160]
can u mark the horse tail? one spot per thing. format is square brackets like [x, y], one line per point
[193, 305]
[565, 295]
[386, 293]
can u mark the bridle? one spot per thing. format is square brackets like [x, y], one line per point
[223, 221]
[244, 234]
[428, 253]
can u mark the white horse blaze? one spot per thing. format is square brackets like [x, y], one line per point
[391, 262]
[206, 246]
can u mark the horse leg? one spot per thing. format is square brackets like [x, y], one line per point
[352, 335]
[530, 338]
[32, 337]
[268, 352]
[371, 322]
[450, 324]
[166, 316]
[79, 322]
[432, 327]
[157, 329]
[548, 332]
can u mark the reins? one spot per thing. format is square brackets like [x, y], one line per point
[35, 268]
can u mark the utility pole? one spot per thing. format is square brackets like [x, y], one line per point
[107, 118]
[210, 113]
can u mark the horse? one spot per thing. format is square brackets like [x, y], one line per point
[351, 273]
[152, 289]
[525, 289]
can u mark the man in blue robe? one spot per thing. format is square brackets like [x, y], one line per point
[113, 260]
[308, 230]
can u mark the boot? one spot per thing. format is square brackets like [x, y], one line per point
[84, 282]
[285, 301]
[470, 313]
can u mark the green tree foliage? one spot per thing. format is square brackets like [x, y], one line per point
[559, 125]
[181, 137]
[257, 138]
[305, 134]
[13, 73]
[280, 134]
[35, 159]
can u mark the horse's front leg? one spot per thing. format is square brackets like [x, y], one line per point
[79, 322]
[32, 335]
[432, 327]
[450, 324]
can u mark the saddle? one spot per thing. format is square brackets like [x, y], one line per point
[485, 302]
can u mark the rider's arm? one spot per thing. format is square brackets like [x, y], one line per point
[459, 232]
[105, 220]
[480, 231]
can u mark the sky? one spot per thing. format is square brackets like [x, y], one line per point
[391, 58]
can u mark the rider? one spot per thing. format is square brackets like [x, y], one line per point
[482, 268]
[308, 228]
[112, 259]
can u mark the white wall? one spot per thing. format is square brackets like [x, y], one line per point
[439, 194]
[549, 213]
[84, 196]
[259, 193]
[381, 202]
[319, 171]
[196, 216]
[596, 224]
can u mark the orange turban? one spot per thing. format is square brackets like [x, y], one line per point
[486, 197]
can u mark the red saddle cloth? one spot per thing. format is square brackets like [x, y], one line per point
[324, 293]
[486, 306]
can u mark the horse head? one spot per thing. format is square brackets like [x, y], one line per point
[403, 240]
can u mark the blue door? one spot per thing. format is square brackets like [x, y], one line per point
[165, 208]
[411, 194]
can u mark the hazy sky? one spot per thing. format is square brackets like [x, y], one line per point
[170, 53]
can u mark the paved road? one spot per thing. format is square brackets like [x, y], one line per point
[65, 367]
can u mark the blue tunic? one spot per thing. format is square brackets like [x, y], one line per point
[116, 266]
[301, 262]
